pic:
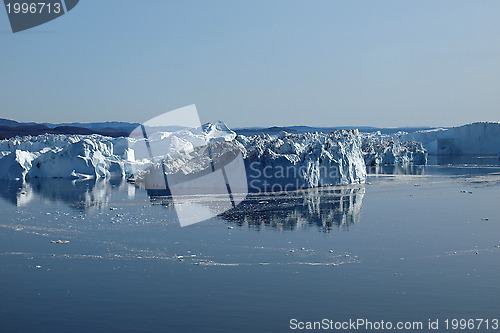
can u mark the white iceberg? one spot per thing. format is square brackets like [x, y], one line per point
[471, 139]
[310, 160]
[61, 156]
[291, 161]
[385, 150]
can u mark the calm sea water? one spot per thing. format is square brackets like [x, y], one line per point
[413, 244]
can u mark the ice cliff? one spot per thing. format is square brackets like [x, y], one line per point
[475, 139]
[63, 156]
[290, 161]
[296, 160]
[283, 160]
[379, 150]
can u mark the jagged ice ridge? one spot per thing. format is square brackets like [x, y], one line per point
[304, 160]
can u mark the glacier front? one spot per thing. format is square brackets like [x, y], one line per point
[471, 139]
[306, 160]
[291, 161]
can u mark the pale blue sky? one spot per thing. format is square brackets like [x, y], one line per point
[258, 63]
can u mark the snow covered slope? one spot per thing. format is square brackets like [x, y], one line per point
[475, 138]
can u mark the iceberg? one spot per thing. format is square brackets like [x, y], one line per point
[14, 165]
[282, 160]
[471, 139]
[62, 156]
[307, 160]
[385, 150]
[292, 161]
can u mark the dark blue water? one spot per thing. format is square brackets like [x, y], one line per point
[407, 247]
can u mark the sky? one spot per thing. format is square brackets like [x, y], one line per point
[258, 62]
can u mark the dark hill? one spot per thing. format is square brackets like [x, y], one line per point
[33, 130]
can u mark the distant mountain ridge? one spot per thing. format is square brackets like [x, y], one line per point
[11, 128]
[93, 126]
[308, 129]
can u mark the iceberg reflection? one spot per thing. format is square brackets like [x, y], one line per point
[79, 194]
[325, 208]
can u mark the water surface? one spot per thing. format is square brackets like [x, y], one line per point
[411, 245]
